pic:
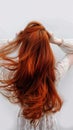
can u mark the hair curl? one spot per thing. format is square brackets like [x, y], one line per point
[30, 79]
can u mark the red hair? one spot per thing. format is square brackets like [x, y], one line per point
[30, 80]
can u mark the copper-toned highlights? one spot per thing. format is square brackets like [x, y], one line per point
[30, 79]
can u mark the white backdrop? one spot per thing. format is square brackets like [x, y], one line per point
[57, 16]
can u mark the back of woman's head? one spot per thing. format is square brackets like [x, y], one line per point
[32, 82]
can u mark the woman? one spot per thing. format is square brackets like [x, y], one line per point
[31, 77]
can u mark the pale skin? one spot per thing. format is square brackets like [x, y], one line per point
[55, 40]
[59, 42]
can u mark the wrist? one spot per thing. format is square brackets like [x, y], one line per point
[59, 42]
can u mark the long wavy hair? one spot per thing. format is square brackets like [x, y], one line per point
[30, 76]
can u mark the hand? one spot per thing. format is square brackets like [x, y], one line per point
[52, 38]
[55, 40]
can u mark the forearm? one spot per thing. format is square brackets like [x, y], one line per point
[58, 41]
[66, 46]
